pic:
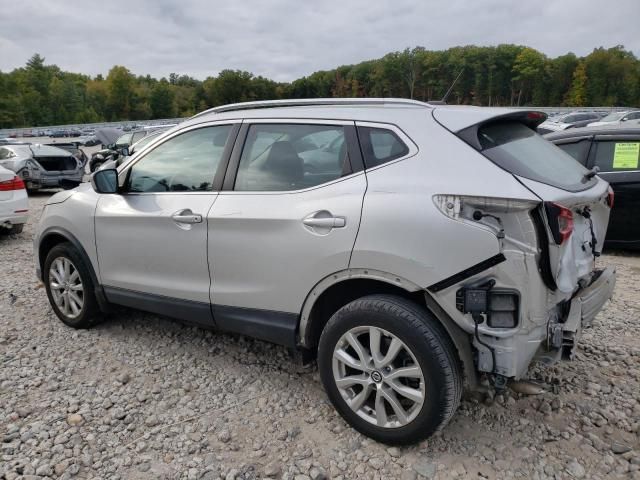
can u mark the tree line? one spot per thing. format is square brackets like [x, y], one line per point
[505, 75]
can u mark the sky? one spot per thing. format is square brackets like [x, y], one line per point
[286, 39]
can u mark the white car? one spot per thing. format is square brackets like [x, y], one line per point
[14, 205]
[616, 118]
[412, 249]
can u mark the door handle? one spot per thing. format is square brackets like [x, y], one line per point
[324, 220]
[186, 216]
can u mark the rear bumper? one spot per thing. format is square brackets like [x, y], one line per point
[585, 305]
[51, 181]
[592, 299]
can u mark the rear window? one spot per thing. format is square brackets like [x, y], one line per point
[520, 151]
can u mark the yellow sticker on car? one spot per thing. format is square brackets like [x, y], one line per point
[626, 155]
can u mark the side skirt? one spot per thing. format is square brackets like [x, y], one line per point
[271, 326]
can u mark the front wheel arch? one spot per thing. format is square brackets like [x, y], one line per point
[56, 235]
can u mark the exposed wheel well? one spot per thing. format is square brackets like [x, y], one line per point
[47, 243]
[344, 292]
[338, 295]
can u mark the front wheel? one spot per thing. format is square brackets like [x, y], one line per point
[69, 287]
[389, 369]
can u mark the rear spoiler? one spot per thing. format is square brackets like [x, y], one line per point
[530, 118]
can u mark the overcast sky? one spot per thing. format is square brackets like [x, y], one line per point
[286, 39]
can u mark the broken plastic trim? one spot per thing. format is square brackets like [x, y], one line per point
[467, 273]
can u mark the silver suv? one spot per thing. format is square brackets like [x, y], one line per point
[413, 249]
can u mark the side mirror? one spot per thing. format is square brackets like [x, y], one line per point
[108, 165]
[124, 151]
[624, 119]
[105, 181]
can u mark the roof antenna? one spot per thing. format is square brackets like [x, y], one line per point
[446, 95]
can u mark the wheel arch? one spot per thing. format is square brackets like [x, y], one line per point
[340, 288]
[53, 236]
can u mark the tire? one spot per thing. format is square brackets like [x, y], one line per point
[432, 398]
[89, 313]
[16, 229]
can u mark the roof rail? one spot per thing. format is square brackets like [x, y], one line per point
[309, 102]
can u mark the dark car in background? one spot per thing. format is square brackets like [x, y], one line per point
[615, 150]
[568, 120]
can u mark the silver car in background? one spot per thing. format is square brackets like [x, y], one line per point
[42, 166]
[412, 249]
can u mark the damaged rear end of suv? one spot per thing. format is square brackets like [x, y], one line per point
[42, 166]
[529, 301]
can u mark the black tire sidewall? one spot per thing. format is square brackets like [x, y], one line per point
[89, 306]
[367, 312]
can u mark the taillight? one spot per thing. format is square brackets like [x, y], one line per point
[15, 183]
[610, 196]
[560, 221]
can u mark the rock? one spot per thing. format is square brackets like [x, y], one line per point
[118, 413]
[152, 421]
[75, 419]
[376, 463]
[575, 469]
[224, 436]
[394, 452]
[620, 448]
[124, 378]
[232, 474]
[272, 470]
[408, 475]
[317, 473]
[425, 468]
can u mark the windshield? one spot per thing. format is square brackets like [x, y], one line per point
[612, 117]
[124, 139]
[520, 151]
[145, 140]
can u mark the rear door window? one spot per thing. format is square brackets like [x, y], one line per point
[615, 156]
[285, 157]
[519, 150]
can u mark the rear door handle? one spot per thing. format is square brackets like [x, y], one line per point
[323, 221]
[330, 222]
[186, 216]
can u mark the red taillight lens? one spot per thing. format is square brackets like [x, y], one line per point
[565, 223]
[610, 196]
[15, 183]
[560, 221]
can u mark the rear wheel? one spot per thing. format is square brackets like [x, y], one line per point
[389, 369]
[69, 287]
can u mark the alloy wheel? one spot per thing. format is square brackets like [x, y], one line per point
[66, 287]
[378, 377]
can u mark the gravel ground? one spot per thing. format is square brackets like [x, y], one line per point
[144, 397]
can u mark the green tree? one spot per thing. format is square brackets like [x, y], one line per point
[161, 101]
[577, 95]
[119, 85]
